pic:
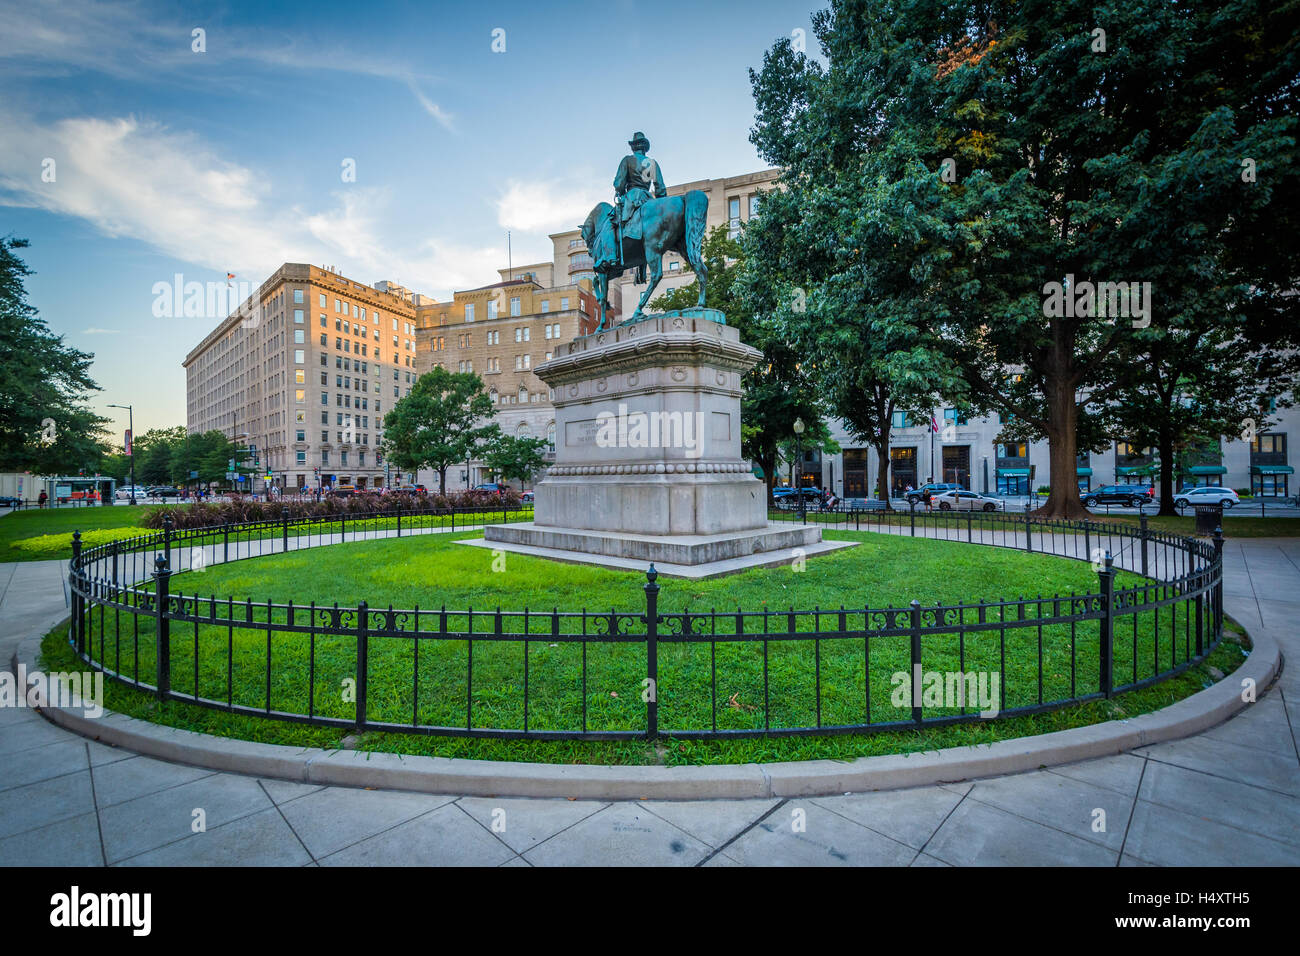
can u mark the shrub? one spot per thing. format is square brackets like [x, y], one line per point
[240, 509]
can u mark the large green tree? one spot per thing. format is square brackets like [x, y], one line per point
[445, 419]
[514, 458]
[46, 426]
[845, 264]
[1014, 156]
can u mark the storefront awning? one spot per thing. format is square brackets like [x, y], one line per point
[1083, 472]
[1208, 470]
[1014, 472]
[1272, 470]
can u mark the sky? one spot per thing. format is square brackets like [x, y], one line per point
[393, 141]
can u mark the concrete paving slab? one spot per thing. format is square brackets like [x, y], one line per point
[925, 859]
[908, 816]
[1258, 767]
[282, 791]
[71, 842]
[27, 735]
[48, 801]
[1274, 736]
[827, 839]
[336, 817]
[447, 836]
[1062, 803]
[260, 839]
[1120, 773]
[1225, 801]
[165, 816]
[1170, 837]
[125, 780]
[624, 834]
[719, 860]
[714, 822]
[41, 763]
[977, 834]
[527, 822]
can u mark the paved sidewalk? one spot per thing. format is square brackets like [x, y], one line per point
[1230, 796]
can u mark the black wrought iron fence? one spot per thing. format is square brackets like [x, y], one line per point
[639, 672]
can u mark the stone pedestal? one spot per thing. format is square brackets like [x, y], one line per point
[647, 449]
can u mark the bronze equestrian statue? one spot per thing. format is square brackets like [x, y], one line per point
[642, 229]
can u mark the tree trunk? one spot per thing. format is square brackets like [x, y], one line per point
[1165, 441]
[1063, 453]
[882, 476]
[442, 480]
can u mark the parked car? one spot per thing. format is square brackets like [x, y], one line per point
[495, 487]
[343, 491]
[961, 500]
[526, 496]
[926, 492]
[125, 494]
[787, 499]
[8, 501]
[1132, 496]
[1206, 496]
[163, 491]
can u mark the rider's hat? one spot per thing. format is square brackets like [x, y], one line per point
[638, 137]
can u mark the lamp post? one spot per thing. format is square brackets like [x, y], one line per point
[130, 426]
[798, 455]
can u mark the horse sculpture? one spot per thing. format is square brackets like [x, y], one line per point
[671, 224]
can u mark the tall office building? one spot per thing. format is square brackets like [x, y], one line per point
[306, 369]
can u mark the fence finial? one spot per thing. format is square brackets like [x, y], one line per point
[652, 573]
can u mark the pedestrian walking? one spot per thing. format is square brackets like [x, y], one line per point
[42, 499]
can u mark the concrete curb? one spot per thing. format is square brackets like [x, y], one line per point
[348, 768]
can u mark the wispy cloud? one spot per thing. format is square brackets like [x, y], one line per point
[137, 179]
[430, 107]
[94, 331]
[547, 205]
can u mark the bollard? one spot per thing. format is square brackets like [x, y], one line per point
[1106, 653]
[1029, 532]
[284, 528]
[916, 661]
[652, 652]
[363, 657]
[1142, 518]
[163, 652]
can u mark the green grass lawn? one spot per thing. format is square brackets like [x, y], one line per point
[46, 535]
[55, 526]
[433, 571]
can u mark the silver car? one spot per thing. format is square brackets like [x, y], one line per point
[1206, 496]
[961, 500]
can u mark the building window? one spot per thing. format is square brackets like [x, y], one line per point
[492, 309]
[733, 217]
[302, 458]
[674, 267]
[298, 356]
[954, 416]
[300, 376]
[324, 398]
[564, 304]
[299, 338]
[323, 300]
[297, 296]
[297, 316]
[300, 396]
[753, 205]
[546, 305]
[514, 305]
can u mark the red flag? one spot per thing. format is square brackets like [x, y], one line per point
[934, 425]
[126, 442]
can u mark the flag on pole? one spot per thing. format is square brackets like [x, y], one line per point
[126, 442]
[934, 425]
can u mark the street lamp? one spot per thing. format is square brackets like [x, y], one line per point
[130, 426]
[798, 454]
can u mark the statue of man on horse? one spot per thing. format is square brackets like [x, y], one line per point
[641, 229]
